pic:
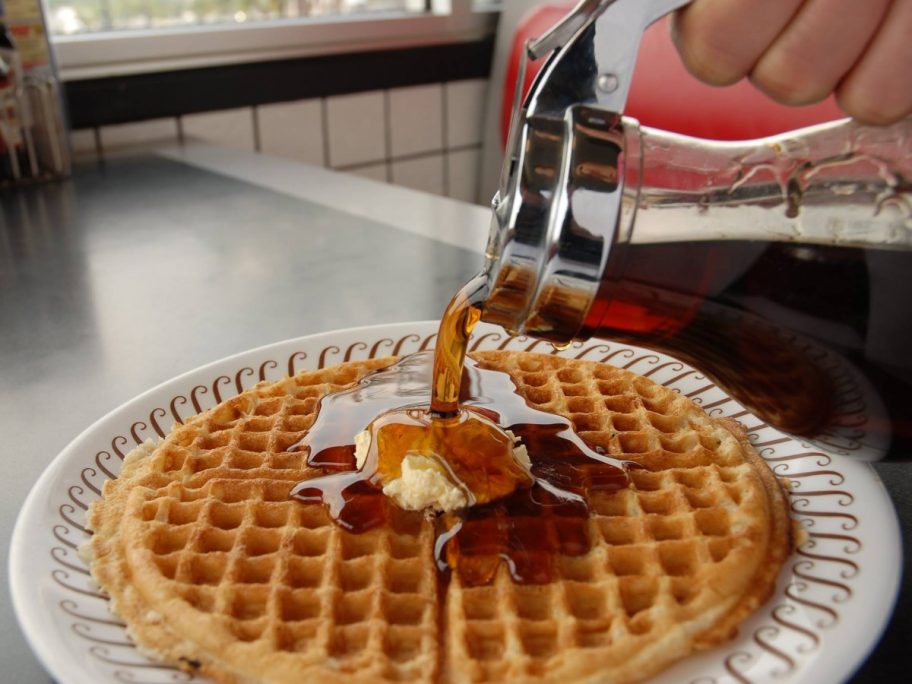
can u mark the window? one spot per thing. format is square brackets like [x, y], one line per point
[68, 17]
[100, 38]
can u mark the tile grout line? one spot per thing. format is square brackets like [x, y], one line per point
[387, 136]
[255, 119]
[324, 126]
[99, 149]
[445, 136]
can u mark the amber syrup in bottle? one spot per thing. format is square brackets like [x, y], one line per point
[815, 339]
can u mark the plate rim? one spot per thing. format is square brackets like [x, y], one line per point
[16, 567]
[29, 618]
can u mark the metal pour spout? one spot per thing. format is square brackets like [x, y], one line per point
[562, 178]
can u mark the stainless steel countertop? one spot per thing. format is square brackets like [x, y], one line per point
[127, 275]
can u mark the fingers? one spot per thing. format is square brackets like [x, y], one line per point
[720, 41]
[818, 47]
[800, 51]
[878, 89]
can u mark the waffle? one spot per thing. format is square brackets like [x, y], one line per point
[214, 569]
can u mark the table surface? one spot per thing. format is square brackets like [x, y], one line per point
[128, 275]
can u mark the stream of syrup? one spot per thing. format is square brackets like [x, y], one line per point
[447, 405]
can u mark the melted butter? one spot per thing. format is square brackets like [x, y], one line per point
[518, 518]
[475, 452]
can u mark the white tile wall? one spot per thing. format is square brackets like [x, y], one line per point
[465, 111]
[229, 127]
[356, 128]
[421, 174]
[293, 130]
[416, 119]
[138, 135]
[463, 167]
[356, 133]
[82, 145]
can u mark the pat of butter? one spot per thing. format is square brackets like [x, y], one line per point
[362, 447]
[520, 453]
[424, 483]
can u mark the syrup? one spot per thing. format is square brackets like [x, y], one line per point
[778, 325]
[459, 318]
[521, 521]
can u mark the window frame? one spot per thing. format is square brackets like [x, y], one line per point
[120, 53]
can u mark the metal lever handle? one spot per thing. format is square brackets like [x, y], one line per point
[594, 52]
[559, 34]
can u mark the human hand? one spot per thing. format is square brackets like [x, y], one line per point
[800, 51]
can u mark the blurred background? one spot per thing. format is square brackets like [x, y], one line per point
[393, 90]
[408, 92]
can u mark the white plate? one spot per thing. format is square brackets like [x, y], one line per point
[832, 602]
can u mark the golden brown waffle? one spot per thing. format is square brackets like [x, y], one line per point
[214, 568]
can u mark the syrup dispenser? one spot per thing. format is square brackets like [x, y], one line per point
[781, 267]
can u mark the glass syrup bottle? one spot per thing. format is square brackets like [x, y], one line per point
[780, 267]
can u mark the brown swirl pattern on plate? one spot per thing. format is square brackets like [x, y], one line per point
[771, 645]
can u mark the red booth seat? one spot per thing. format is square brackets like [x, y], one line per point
[664, 95]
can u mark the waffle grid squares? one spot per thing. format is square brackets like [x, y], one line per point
[216, 523]
[659, 537]
[256, 563]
